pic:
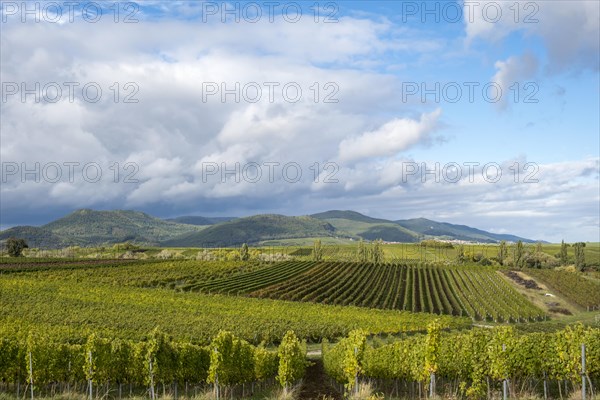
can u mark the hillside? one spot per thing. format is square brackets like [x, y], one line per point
[348, 215]
[199, 221]
[93, 228]
[445, 230]
[253, 230]
[481, 294]
[389, 234]
[408, 230]
[89, 227]
[35, 237]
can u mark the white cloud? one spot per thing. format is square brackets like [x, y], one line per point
[562, 204]
[514, 70]
[394, 136]
[172, 131]
[570, 30]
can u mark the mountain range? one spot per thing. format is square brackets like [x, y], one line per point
[95, 228]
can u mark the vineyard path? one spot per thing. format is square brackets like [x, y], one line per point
[316, 383]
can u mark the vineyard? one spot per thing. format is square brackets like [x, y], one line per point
[582, 291]
[129, 301]
[149, 326]
[471, 364]
[474, 292]
[478, 293]
[147, 273]
[106, 365]
[245, 283]
[28, 264]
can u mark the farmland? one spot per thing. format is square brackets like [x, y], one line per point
[175, 311]
[472, 364]
[300, 200]
[131, 300]
[476, 293]
[335, 250]
[579, 289]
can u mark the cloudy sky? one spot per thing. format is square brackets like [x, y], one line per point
[481, 113]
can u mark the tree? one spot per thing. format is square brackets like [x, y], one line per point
[15, 247]
[518, 258]
[362, 254]
[460, 254]
[377, 251]
[538, 247]
[564, 258]
[317, 250]
[502, 252]
[535, 260]
[579, 255]
[244, 252]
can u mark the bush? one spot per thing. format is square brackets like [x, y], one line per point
[541, 260]
[15, 247]
[485, 261]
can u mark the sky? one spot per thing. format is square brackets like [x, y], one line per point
[483, 113]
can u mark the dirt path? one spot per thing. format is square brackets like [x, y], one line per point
[316, 384]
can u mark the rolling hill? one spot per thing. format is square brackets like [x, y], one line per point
[35, 237]
[252, 230]
[348, 215]
[93, 228]
[198, 220]
[408, 230]
[358, 226]
[445, 230]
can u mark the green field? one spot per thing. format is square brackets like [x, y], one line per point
[129, 301]
[334, 249]
[173, 311]
[479, 293]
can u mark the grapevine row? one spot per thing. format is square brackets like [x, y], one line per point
[481, 294]
[471, 363]
[227, 361]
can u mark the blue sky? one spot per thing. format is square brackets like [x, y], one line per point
[186, 150]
